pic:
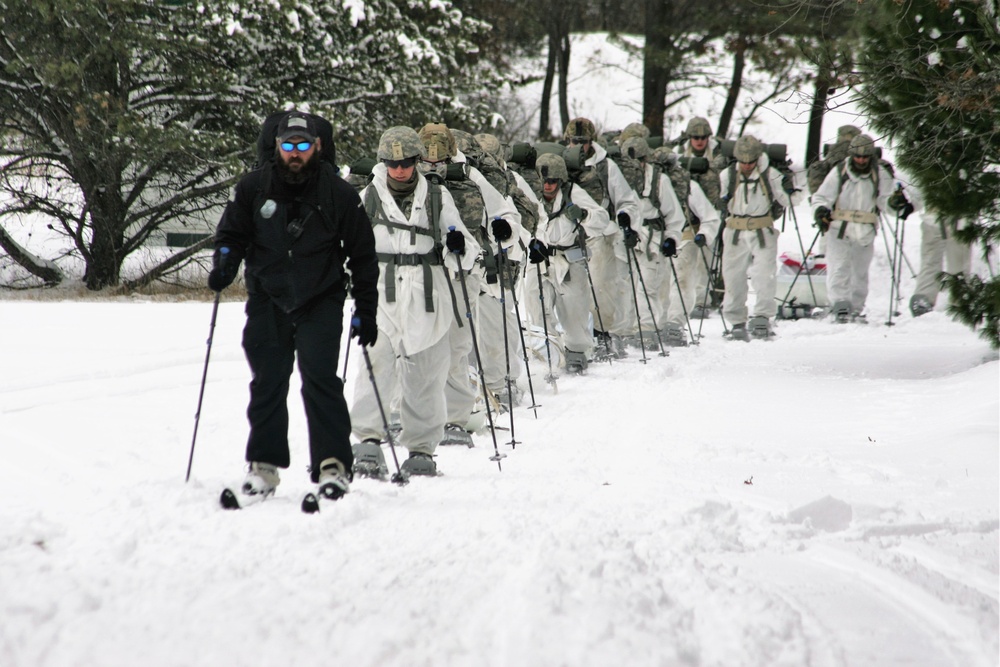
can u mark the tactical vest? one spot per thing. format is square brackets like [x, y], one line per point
[376, 213]
[777, 209]
[594, 181]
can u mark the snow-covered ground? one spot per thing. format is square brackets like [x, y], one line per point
[829, 498]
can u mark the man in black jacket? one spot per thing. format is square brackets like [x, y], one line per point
[296, 223]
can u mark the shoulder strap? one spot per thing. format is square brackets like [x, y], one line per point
[654, 191]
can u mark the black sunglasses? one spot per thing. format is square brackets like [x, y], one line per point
[552, 181]
[699, 138]
[405, 163]
[300, 146]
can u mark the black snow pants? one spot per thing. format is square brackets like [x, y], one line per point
[272, 339]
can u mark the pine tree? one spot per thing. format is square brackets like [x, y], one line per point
[932, 84]
[121, 115]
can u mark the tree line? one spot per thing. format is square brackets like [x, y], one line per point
[118, 116]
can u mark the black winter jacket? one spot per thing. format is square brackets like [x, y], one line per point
[294, 270]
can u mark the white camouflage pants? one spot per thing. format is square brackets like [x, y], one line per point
[611, 285]
[460, 392]
[685, 294]
[491, 341]
[847, 263]
[745, 259]
[936, 250]
[420, 380]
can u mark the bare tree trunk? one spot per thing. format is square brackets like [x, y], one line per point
[544, 129]
[564, 48]
[739, 46]
[814, 137]
[655, 73]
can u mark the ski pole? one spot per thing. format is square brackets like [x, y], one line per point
[597, 306]
[497, 456]
[635, 300]
[399, 477]
[722, 317]
[506, 344]
[347, 353]
[223, 256]
[520, 330]
[805, 256]
[649, 304]
[798, 273]
[551, 379]
[677, 284]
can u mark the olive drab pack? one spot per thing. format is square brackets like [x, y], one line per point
[665, 161]
[468, 200]
[820, 168]
[633, 170]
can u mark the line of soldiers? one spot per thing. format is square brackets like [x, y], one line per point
[607, 242]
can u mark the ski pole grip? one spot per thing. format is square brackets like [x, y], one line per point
[355, 321]
[223, 256]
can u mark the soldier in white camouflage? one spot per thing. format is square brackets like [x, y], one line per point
[419, 237]
[604, 182]
[496, 224]
[699, 142]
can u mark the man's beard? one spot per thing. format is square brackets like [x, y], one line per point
[308, 170]
[858, 169]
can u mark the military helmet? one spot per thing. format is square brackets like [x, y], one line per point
[847, 132]
[438, 141]
[636, 148]
[580, 128]
[862, 146]
[633, 130]
[399, 143]
[550, 165]
[491, 146]
[748, 148]
[465, 142]
[698, 127]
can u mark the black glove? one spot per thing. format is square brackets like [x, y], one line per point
[897, 201]
[624, 221]
[455, 241]
[906, 210]
[823, 219]
[537, 252]
[224, 268]
[788, 183]
[631, 236]
[364, 328]
[669, 248]
[700, 240]
[501, 229]
[574, 212]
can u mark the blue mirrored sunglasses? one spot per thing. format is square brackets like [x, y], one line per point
[301, 146]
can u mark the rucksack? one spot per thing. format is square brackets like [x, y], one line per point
[680, 179]
[269, 133]
[504, 182]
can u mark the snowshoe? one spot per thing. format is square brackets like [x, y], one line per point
[261, 480]
[859, 318]
[576, 362]
[739, 332]
[419, 464]
[369, 460]
[759, 327]
[920, 305]
[841, 312]
[699, 313]
[455, 434]
[674, 336]
[333, 481]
